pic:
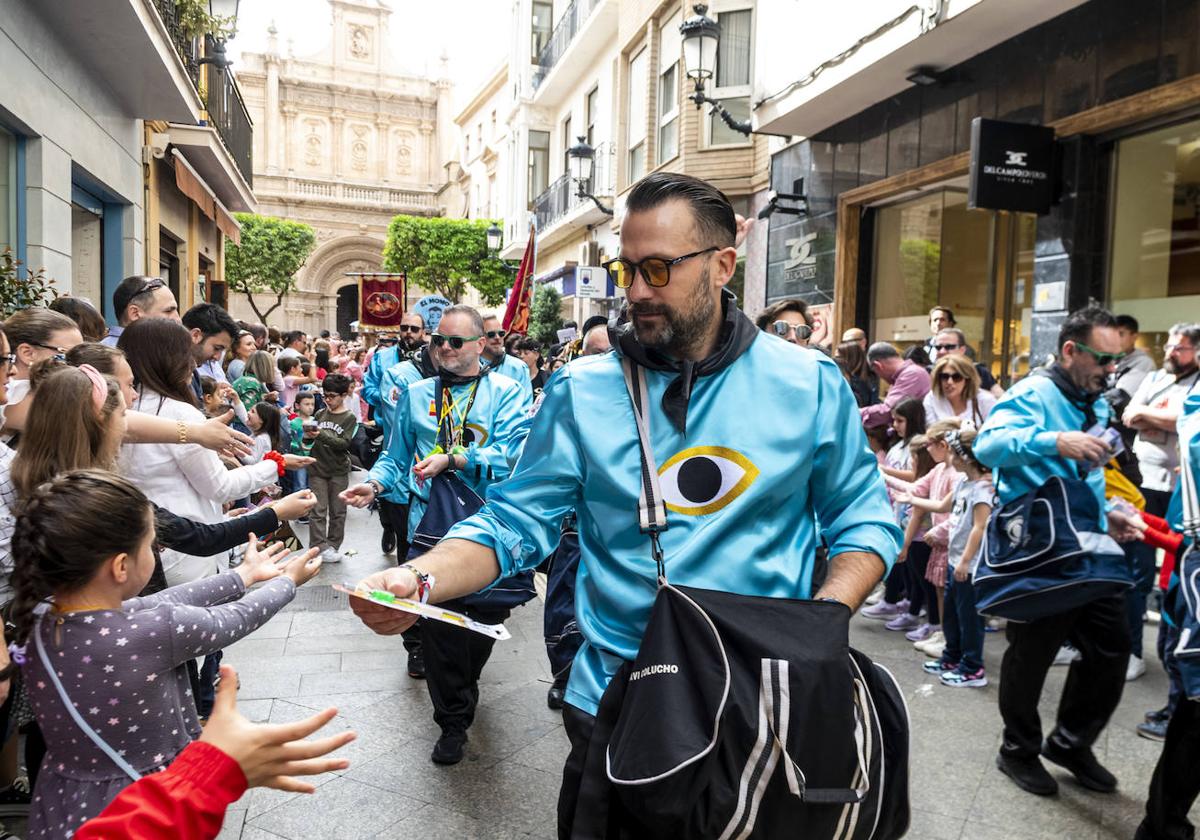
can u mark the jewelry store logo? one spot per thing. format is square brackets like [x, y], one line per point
[802, 262]
[1016, 158]
[1015, 170]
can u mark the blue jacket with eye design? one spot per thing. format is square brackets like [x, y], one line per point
[774, 443]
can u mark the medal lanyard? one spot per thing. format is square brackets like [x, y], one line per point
[453, 436]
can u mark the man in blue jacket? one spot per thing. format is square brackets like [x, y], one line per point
[1039, 430]
[745, 477]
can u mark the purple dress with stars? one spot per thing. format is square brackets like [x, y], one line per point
[124, 672]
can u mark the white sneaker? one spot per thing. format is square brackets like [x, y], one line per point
[935, 649]
[330, 556]
[1136, 667]
[936, 638]
[875, 597]
[1066, 655]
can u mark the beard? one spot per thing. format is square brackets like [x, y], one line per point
[679, 330]
[408, 342]
[1175, 369]
[460, 365]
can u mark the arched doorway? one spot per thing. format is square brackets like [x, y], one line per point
[347, 308]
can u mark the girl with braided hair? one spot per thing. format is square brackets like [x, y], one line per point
[105, 670]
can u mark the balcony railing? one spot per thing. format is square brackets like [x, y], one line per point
[348, 193]
[227, 113]
[562, 196]
[562, 35]
[185, 46]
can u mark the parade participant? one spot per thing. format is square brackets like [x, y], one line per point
[479, 413]
[391, 348]
[746, 488]
[1040, 430]
[495, 357]
[140, 297]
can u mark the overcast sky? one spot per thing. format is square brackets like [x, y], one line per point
[474, 33]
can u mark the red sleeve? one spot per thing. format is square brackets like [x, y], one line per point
[187, 801]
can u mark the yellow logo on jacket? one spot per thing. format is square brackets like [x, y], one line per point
[705, 479]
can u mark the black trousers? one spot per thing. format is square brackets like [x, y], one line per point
[1176, 781]
[454, 659]
[584, 800]
[1100, 631]
[394, 518]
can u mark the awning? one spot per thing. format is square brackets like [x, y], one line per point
[193, 186]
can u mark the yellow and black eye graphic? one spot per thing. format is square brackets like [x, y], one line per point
[705, 479]
[474, 434]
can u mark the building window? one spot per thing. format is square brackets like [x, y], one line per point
[566, 143]
[539, 164]
[543, 14]
[591, 106]
[732, 83]
[1155, 270]
[668, 88]
[466, 147]
[636, 137]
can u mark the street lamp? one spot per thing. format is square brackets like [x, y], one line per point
[582, 158]
[495, 238]
[701, 34]
[226, 11]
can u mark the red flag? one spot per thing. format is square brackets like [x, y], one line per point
[516, 316]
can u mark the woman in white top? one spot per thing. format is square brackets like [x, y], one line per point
[188, 480]
[955, 392]
[34, 334]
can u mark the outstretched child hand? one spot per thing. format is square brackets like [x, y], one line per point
[259, 563]
[272, 755]
[303, 567]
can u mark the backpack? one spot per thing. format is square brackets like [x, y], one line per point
[1043, 554]
[746, 717]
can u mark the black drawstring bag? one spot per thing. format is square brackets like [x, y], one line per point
[743, 717]
[451, 501]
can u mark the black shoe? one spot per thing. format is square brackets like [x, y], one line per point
[416, 664]
[1159, 715]
[450, 748]
[1028, 774]
[1153, 730]
[1082, 764]
[388, 543]
[554, 697]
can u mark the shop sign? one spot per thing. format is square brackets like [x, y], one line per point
[1011, 167]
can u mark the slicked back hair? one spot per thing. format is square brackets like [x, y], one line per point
[715, 222]
[1079, 324]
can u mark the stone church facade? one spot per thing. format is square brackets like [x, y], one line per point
[343, 141]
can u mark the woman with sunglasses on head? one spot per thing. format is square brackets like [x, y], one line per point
[955, 391]
[788, 319]
[34, 334]
[244, 346]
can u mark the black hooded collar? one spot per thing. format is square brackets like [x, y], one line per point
[737, 334]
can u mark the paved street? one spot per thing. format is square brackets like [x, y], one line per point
[316, 654]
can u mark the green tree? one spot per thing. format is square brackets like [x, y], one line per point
[22, 288]
[271, 253]
[545, 315]
[445, 256]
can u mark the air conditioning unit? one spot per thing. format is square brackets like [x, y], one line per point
[589, 253]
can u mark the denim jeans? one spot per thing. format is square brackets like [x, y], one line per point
[962, 625]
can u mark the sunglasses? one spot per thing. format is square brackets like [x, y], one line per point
[655, 270]
[329, 394]
[946, 346]
[496, 333]
[386, 342]
[405, 328]
[60, 353]
[455, 341]
[1102, 359]
[149, 286]
[951, 376]
[782, 328]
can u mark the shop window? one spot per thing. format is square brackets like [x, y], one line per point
[87, 249]
[636, 137]
[1155, 252]
[732, 83]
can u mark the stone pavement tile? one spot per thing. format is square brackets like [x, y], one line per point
[436, 821]
[515, 796]
[926, 825]
[374, 660]
[346, 704]
[258, 801]
[255, 711]
[277, 628]
[547, 753]
[944, 785]
[1022, 827]
[349, 682]
[408, 706]
[343, 808]
[256, 646]
[501, 733]
[249, 833]
[1074, 812]
[349, 642]
[323, 623]
[252, 686]
[528, 697]
[370, 741]
[231, 828]
[410, 772]
[270, 666]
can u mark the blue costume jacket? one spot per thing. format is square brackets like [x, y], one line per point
[1019, 440]
[514, 369]
[498, 410]
[773, 442]
[382, 359]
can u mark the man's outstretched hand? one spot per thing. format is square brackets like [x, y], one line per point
[386, 622]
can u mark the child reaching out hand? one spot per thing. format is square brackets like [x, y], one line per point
[105, 670]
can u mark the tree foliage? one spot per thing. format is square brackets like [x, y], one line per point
[266, 262]
[545, 315]
[21, 288]
[445, 256]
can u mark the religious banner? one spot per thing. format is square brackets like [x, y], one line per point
[380, 301]
[516, 315]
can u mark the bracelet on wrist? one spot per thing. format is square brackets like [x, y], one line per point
[425, 582]
[280, 464]
[181, 427]
[375, 485]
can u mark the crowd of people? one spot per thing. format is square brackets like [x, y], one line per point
[150, 472]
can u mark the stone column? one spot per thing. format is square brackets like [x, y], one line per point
[431, 161]
[337, 118]
[382, 125]
[289, 137]
[271, 121]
